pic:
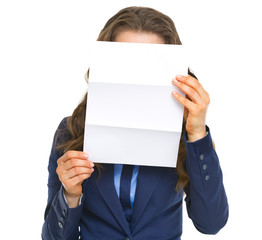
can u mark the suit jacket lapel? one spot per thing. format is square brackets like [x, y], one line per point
[147, 179]
[105, 185]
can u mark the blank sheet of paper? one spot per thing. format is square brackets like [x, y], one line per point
[131, 115]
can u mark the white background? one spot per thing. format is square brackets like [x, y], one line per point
[43, 59]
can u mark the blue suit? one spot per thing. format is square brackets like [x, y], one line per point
[157, 210]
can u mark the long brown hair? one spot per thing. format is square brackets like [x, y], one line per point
[139, 19]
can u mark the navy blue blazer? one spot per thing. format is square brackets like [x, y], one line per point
[157, 210]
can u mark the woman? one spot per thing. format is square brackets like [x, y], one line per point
[91, 201]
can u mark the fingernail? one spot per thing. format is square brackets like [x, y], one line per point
[92, 164]
[179, 77]
[174, 80]
[86, 155]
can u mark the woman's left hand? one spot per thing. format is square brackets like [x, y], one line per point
[196, 103]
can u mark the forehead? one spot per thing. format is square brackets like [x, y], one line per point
[138, 37]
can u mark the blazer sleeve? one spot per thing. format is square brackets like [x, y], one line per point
[60, 221]
[206, 199]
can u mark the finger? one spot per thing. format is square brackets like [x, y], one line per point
[190, 92]
[193, 83]
[71, 163]
[74, 154]
[73, 172]
[184, 101]
[79, 179]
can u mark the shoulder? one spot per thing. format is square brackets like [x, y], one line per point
[63, 124]
[63, 127]
[62, 133]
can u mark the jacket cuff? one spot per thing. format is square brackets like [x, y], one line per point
[202, 162]
[80, 200]
[200, 146]
[67, 220]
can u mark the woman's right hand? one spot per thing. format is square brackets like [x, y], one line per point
[73, 168]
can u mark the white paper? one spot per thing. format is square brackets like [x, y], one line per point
[131, 116]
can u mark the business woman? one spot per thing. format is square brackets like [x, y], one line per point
[114, 201]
